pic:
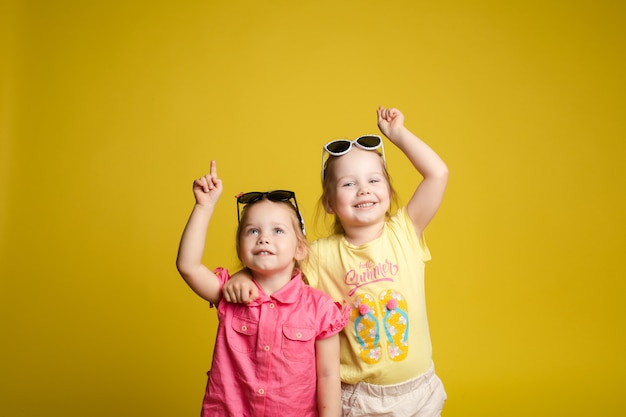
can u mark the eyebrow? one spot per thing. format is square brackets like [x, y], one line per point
[272, 225]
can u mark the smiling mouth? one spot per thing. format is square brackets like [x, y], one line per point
[364, 205]
[263, 253]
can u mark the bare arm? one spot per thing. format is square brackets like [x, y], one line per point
[429, 193]
[201, 279]
[328, 380]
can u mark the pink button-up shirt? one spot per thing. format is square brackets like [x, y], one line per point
[264, 356]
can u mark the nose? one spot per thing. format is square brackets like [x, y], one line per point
[363, 190]
[262, 239]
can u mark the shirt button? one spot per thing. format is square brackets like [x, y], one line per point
[244, 328]
[267, 348]
[261, 391]
[272, 305]
[299, 335]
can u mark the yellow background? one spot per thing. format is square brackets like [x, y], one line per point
[109, 110]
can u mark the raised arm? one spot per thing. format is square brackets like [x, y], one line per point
[201, 279]
[429, 193]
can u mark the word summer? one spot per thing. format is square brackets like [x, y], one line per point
[369, 272]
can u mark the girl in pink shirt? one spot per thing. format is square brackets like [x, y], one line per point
[279, 355]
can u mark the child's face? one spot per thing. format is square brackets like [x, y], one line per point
[268, 243]
[361, 193]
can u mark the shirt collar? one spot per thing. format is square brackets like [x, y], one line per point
[286, 295]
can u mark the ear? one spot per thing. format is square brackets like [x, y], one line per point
[302, 251]
[328, 208]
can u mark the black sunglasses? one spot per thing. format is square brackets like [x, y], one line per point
[275, 196]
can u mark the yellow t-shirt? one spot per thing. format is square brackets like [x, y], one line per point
[387, 340]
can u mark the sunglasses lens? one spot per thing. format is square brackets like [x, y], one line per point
[338, 146]
[279, 195]
[248, 198]
[369, 141]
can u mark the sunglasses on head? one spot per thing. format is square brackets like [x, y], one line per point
[342, 146]
[276, 196]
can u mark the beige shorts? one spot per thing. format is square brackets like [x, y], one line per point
[422, 396]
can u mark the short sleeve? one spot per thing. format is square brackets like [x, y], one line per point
[333, 317]
[223, 276]
[403, 228]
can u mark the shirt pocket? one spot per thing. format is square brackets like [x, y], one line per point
[298, 343]
[242, 334]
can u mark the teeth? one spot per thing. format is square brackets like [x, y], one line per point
[364, 205]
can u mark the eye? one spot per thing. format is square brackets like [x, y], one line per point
[279, 231]
[348, 184]
[252, 232]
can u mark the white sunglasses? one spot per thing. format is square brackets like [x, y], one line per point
[342, 146]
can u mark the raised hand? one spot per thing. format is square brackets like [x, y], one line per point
[207, 189]
[390, 122]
